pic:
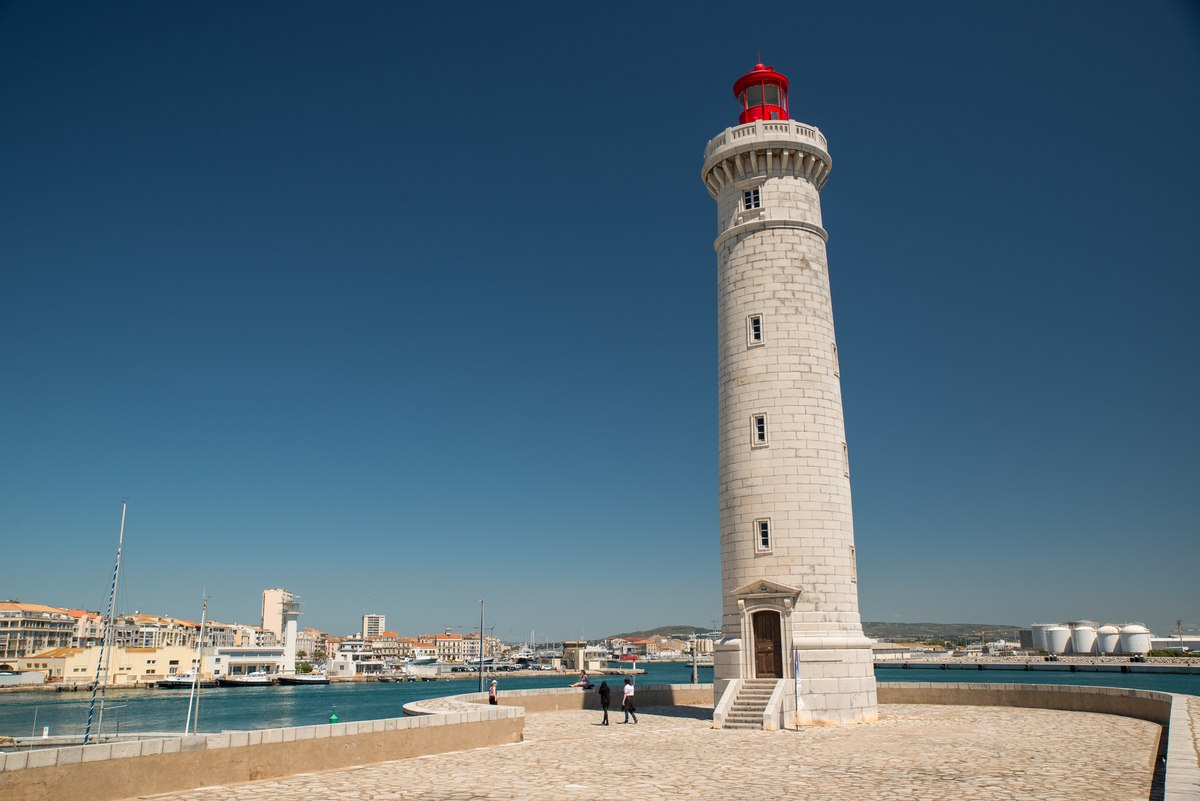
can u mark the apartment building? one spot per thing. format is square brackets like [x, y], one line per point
[126, 666]
[32, 628]
[373, 625]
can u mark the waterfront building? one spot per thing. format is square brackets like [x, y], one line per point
[385, 647]
[310, 641]
[127, 667]
[32, 628]
[450, 647]
[139, 630]
[273, 601]
[639, 646]
[254, 637]
[788, 576]
[470, 645]
[354, 656]
[89, 628]
[424, 650]
[618, 646]
[218, 635]
[404, 647]
[373, 625]
[235, 661]
[1184, 642]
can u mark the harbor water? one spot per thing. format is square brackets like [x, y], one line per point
[25, 714]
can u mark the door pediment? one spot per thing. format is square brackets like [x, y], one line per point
[765, 588]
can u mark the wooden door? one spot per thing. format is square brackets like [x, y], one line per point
[768, 646]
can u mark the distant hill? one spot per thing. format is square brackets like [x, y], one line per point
[907, 632]
[919, 632]
[665, 631]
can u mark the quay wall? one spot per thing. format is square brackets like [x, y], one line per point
[138, 768]
[1142, 704]
[569, 698]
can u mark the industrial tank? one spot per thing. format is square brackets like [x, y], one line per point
[1039, 635]
[1083, 638]
[1108, 639]
[1057, 639]
[1135, 639]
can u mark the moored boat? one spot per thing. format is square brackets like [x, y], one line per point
[255, 679]
[315, 677]
[182, 682]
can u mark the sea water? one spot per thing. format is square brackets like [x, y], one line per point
[239, 708]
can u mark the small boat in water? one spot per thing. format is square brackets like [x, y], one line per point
[182, 682]
[255, 679]
[316, 677]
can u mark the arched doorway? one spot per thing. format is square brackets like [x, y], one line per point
[768, 645]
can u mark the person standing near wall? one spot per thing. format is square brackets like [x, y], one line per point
[605, 700]
[492, 699]
[627, 702]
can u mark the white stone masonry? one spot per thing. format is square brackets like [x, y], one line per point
[787, 532]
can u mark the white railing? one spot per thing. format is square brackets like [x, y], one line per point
[763, 129]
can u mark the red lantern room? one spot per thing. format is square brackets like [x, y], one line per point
[763, 95]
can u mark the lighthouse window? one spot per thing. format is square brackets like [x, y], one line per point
[853, 565]
[754, 332]
[754, 95]
[772, 94]
[762, 529]
[759, 430]
[751, 199]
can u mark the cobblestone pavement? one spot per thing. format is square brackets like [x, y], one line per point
[930, 752]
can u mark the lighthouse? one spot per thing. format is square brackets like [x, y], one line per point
[792, 650]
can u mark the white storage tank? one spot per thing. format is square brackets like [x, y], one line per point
[1038, 630]
[1083, 638]
[1135, 639]
[1108, 639]
[1057, 639]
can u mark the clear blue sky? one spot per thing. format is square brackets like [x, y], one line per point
[397, 306]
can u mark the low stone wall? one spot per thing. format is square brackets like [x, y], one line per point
[568, 698]
[1142, 704]
[145, 767]
[1179, 715]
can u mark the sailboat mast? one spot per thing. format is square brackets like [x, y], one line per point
[106, 640]
[196, 669]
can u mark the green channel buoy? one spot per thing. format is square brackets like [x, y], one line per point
[333, 718]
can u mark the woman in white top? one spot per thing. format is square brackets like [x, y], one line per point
[627, 702]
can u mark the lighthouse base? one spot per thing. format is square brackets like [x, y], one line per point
[836, 685]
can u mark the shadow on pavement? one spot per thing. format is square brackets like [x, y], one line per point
[692, 712]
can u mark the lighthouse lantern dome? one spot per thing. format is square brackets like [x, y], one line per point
[762, 93]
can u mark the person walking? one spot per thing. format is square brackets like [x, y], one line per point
[492, 699]
[605, 700]
[627, 702]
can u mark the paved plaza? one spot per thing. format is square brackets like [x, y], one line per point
[962, 753]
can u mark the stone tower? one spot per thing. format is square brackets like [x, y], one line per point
[788, 574]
